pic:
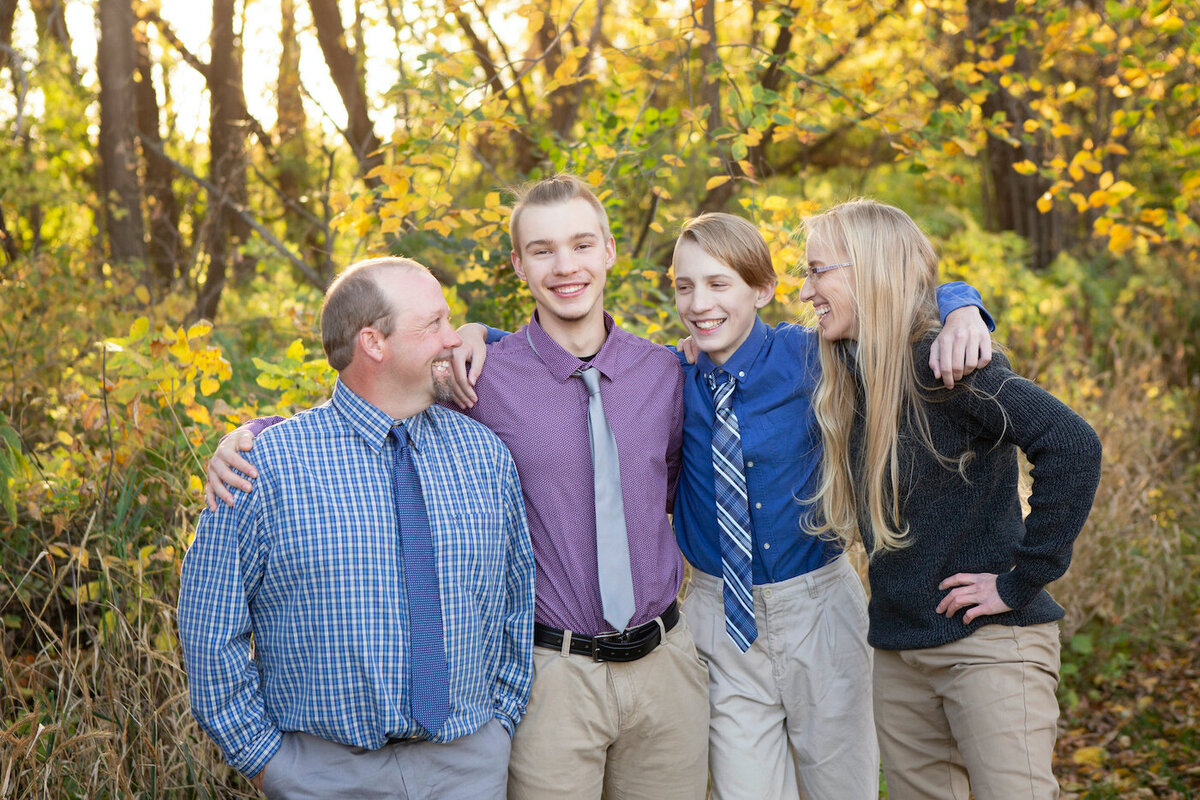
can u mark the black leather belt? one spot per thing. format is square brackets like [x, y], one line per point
[628, 646]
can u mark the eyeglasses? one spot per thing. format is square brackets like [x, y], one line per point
[808, 272]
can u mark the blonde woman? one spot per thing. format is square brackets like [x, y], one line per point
[965, 634]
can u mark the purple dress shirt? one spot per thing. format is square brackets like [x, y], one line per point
[528, 397]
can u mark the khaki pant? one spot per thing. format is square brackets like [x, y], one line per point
[980, 710]
[630, 730]
[791, 717]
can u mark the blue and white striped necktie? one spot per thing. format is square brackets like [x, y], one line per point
[733, 513]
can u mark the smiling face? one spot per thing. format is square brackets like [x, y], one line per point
[715, 304]
[419, 347]
[831, 293]
[563, 254]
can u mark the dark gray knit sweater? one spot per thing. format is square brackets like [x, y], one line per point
[975, 525]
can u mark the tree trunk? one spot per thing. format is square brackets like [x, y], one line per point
[227, 164]
[8, 14]
[1010, 199]
[343, 68]
[50, 17]
[120, 192]
[293, 173]
[166, 243]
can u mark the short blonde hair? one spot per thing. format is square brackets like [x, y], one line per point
[354, 301]
[560, 188]
[733, 241]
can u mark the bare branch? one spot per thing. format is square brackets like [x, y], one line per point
[223, 199]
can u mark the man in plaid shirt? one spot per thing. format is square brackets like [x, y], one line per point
[344, 692]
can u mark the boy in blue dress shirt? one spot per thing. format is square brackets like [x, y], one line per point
[789, 665]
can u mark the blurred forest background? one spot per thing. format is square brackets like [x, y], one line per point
[180, 180]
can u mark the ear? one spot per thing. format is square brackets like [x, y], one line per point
[764, 294]
[516, 264]
[610, 253]
[372, 344]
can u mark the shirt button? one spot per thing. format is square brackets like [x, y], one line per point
[749, 464]
[767, 593]
[741, 374]
[758, 505]
[766, 545]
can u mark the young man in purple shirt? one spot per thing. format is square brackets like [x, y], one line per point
[620, 714]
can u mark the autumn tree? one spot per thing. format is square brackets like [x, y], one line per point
[120, 188]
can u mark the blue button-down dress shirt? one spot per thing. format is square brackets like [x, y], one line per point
[310, 564]
[777, 370]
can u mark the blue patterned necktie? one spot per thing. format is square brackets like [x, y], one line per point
[733, 513]
[427, 663]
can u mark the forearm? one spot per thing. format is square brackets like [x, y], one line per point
[515, 674]
[220, 576]
[1065, 454]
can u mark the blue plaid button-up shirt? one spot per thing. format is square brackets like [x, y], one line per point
[310, 564]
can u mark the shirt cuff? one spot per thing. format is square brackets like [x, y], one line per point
[254, 757]
[1015, 591]
[260, 424]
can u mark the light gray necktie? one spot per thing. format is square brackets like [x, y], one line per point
[612, 540]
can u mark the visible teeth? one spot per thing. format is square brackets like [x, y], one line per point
[442, 365]
[709, 324]
[822, 310]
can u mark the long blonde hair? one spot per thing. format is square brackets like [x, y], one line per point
[894, 276]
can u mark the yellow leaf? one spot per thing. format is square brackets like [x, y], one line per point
[716, 181]
[209, 385]
[200, 415]
[295, 351]
[1060, 129]
[775, 203]
[1025, 167]
[142, 294]
[181, 350]
[1122, 189]
[1081, 203]
[195, 485]
[64, 438]
[198, 330]
[595, 177]
[1120, 238]
[139, 328]
[1044, 203]
[1106, 180]
[656, 227]
[1089, 756]
[1100, 198]
[1154, 216]
[87, 592]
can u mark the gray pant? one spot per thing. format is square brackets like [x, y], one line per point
[310, 768]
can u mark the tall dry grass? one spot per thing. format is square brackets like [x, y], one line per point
[93, 695]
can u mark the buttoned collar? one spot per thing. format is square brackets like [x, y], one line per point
[563, 365]
[739, 364]
[372, 424]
